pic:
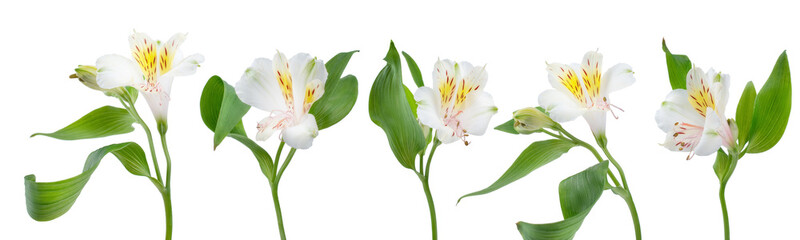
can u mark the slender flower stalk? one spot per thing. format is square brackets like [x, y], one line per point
[286, 89]
[152, 71]
[587, 94]
[457, 109]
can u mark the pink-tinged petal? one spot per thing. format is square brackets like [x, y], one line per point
[259, 88]
[562, 107]
[676, 109]
[446, 135]
[711, 140]
[117, 71]
[158, 100]
[269, 125]
[301, 135]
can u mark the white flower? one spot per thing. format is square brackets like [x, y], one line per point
[156, 64]
[459, 107]
[587, 96]
[286, 89]
[694, 118]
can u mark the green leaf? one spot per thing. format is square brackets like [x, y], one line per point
[102, 122]
[336, 102]
[507, 126]
[389, 109]
[263, 158]
[744, 112]
[722, 164]
[535, 156]
[412, 103]
[678, 67]
[340, 93]
[335, 67]
[49, 200]
[221, 109]
[772, 107]
[415, 73]
[578, 194]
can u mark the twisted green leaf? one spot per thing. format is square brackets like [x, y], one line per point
[101, 122]
[221, 109]
[49, 200]
[340, 94]
[535, 156]
[578, 194]
[222, 112]
[772, 106]
[389, 109]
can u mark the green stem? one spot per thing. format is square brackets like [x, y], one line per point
[584, 145]
[722, 184]
[629, 197]
[163, 133]
[285, 164]
[167, 191]
[431, 207]
[132, 110]
[277, 203]
[166, 195]
[278, 155]
[423, 177]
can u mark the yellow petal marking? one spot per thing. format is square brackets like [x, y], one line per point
[144, 52]
[447, 87]
[590, 73]
[569, 79]
[699, 92]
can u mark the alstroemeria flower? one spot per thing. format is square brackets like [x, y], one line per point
[155, 65]
[586, 96]
[694, 118]
[458, 107]
[286, 89]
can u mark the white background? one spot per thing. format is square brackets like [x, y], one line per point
[348, 185]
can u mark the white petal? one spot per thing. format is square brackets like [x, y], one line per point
[168, 51]
[158, 102]
[617, 77]
[117, 71]
[429, 111]
[564, 79]
[186, 66]
[444, 81]
[711, 139]
[301, 136]
[720, 89]
[478, 111]
[695, 80]
[268, 126]
[676, 108]
[474, 77]
[590, 71]
[562, 108]
[259, 88]
[305, 69]
[596, 120]
[446, 135]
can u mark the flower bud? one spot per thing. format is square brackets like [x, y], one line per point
[87, 75]
[529, 120]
